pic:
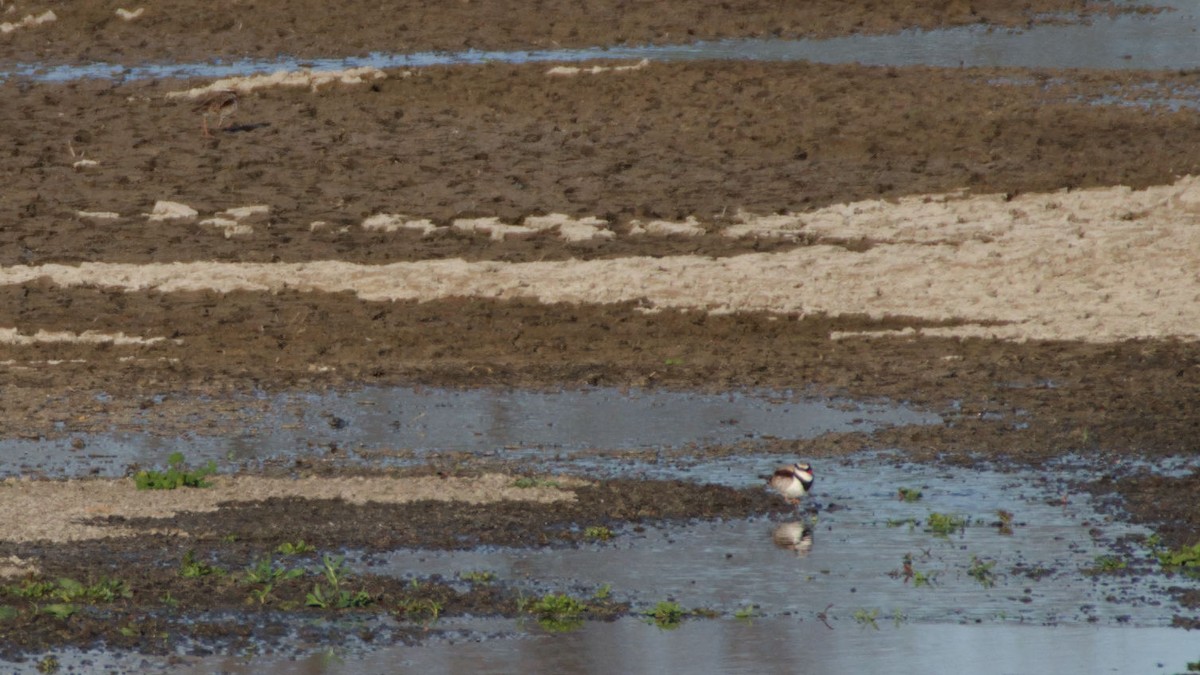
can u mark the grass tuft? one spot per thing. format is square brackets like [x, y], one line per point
[177, 475]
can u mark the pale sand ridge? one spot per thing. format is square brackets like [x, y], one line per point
[1097, 265]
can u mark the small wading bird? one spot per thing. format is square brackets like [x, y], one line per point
[222, 103]
[793, 481]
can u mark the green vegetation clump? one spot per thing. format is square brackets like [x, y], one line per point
[909, 495]
[865, 618]
[299, 547]
[67, 590]
[666, 615]
[177, 475]
[598, 533]
[944, 524]
[478, 576]
[334, 596]
[982, 572]
[1185, 559]
[424, 610]
[263, 575]
[191, 568]
[923, 579]
[1105, 564]
[61, 598]
[556, 612]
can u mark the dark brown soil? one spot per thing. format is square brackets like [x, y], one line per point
[442, 525]
[668, 141]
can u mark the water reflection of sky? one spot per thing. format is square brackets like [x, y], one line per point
[479, 421]
[1161, 41]
[855, 556]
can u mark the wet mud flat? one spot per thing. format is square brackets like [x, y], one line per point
[705, 140]
[290, 578]
[258, 563]
[1073, 432]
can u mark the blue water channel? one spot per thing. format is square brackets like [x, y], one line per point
[1167, 40]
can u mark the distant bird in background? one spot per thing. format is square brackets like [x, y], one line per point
[793, 481]
[222, 103]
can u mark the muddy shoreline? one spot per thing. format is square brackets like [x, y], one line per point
[176, 30]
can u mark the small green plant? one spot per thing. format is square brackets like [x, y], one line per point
[526, 482]
[1005, 521]
[298, 547]
[335, 596]
[909, 495]
[334, 569]
[191, 568]
[69, 590]
[265, 574]
[603, 593]
[33, 590]
[66, 590]
[982, 572]
[557, 612]
[1185, 559]
[260, 595]
[944, 524]
[598, 533]
[901, 522]
[177, 475]
[865, 618]
[265, 571]
[49, 664]
[745, 614]
[60, 610]
[169, 600]
[106, 590]
[422, 610]
[908, 572]
[8, 612]
[1105, 564]
[478, 577]
[672, 362]
[666, 615]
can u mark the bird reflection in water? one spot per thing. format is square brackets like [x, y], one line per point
[795, 537]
